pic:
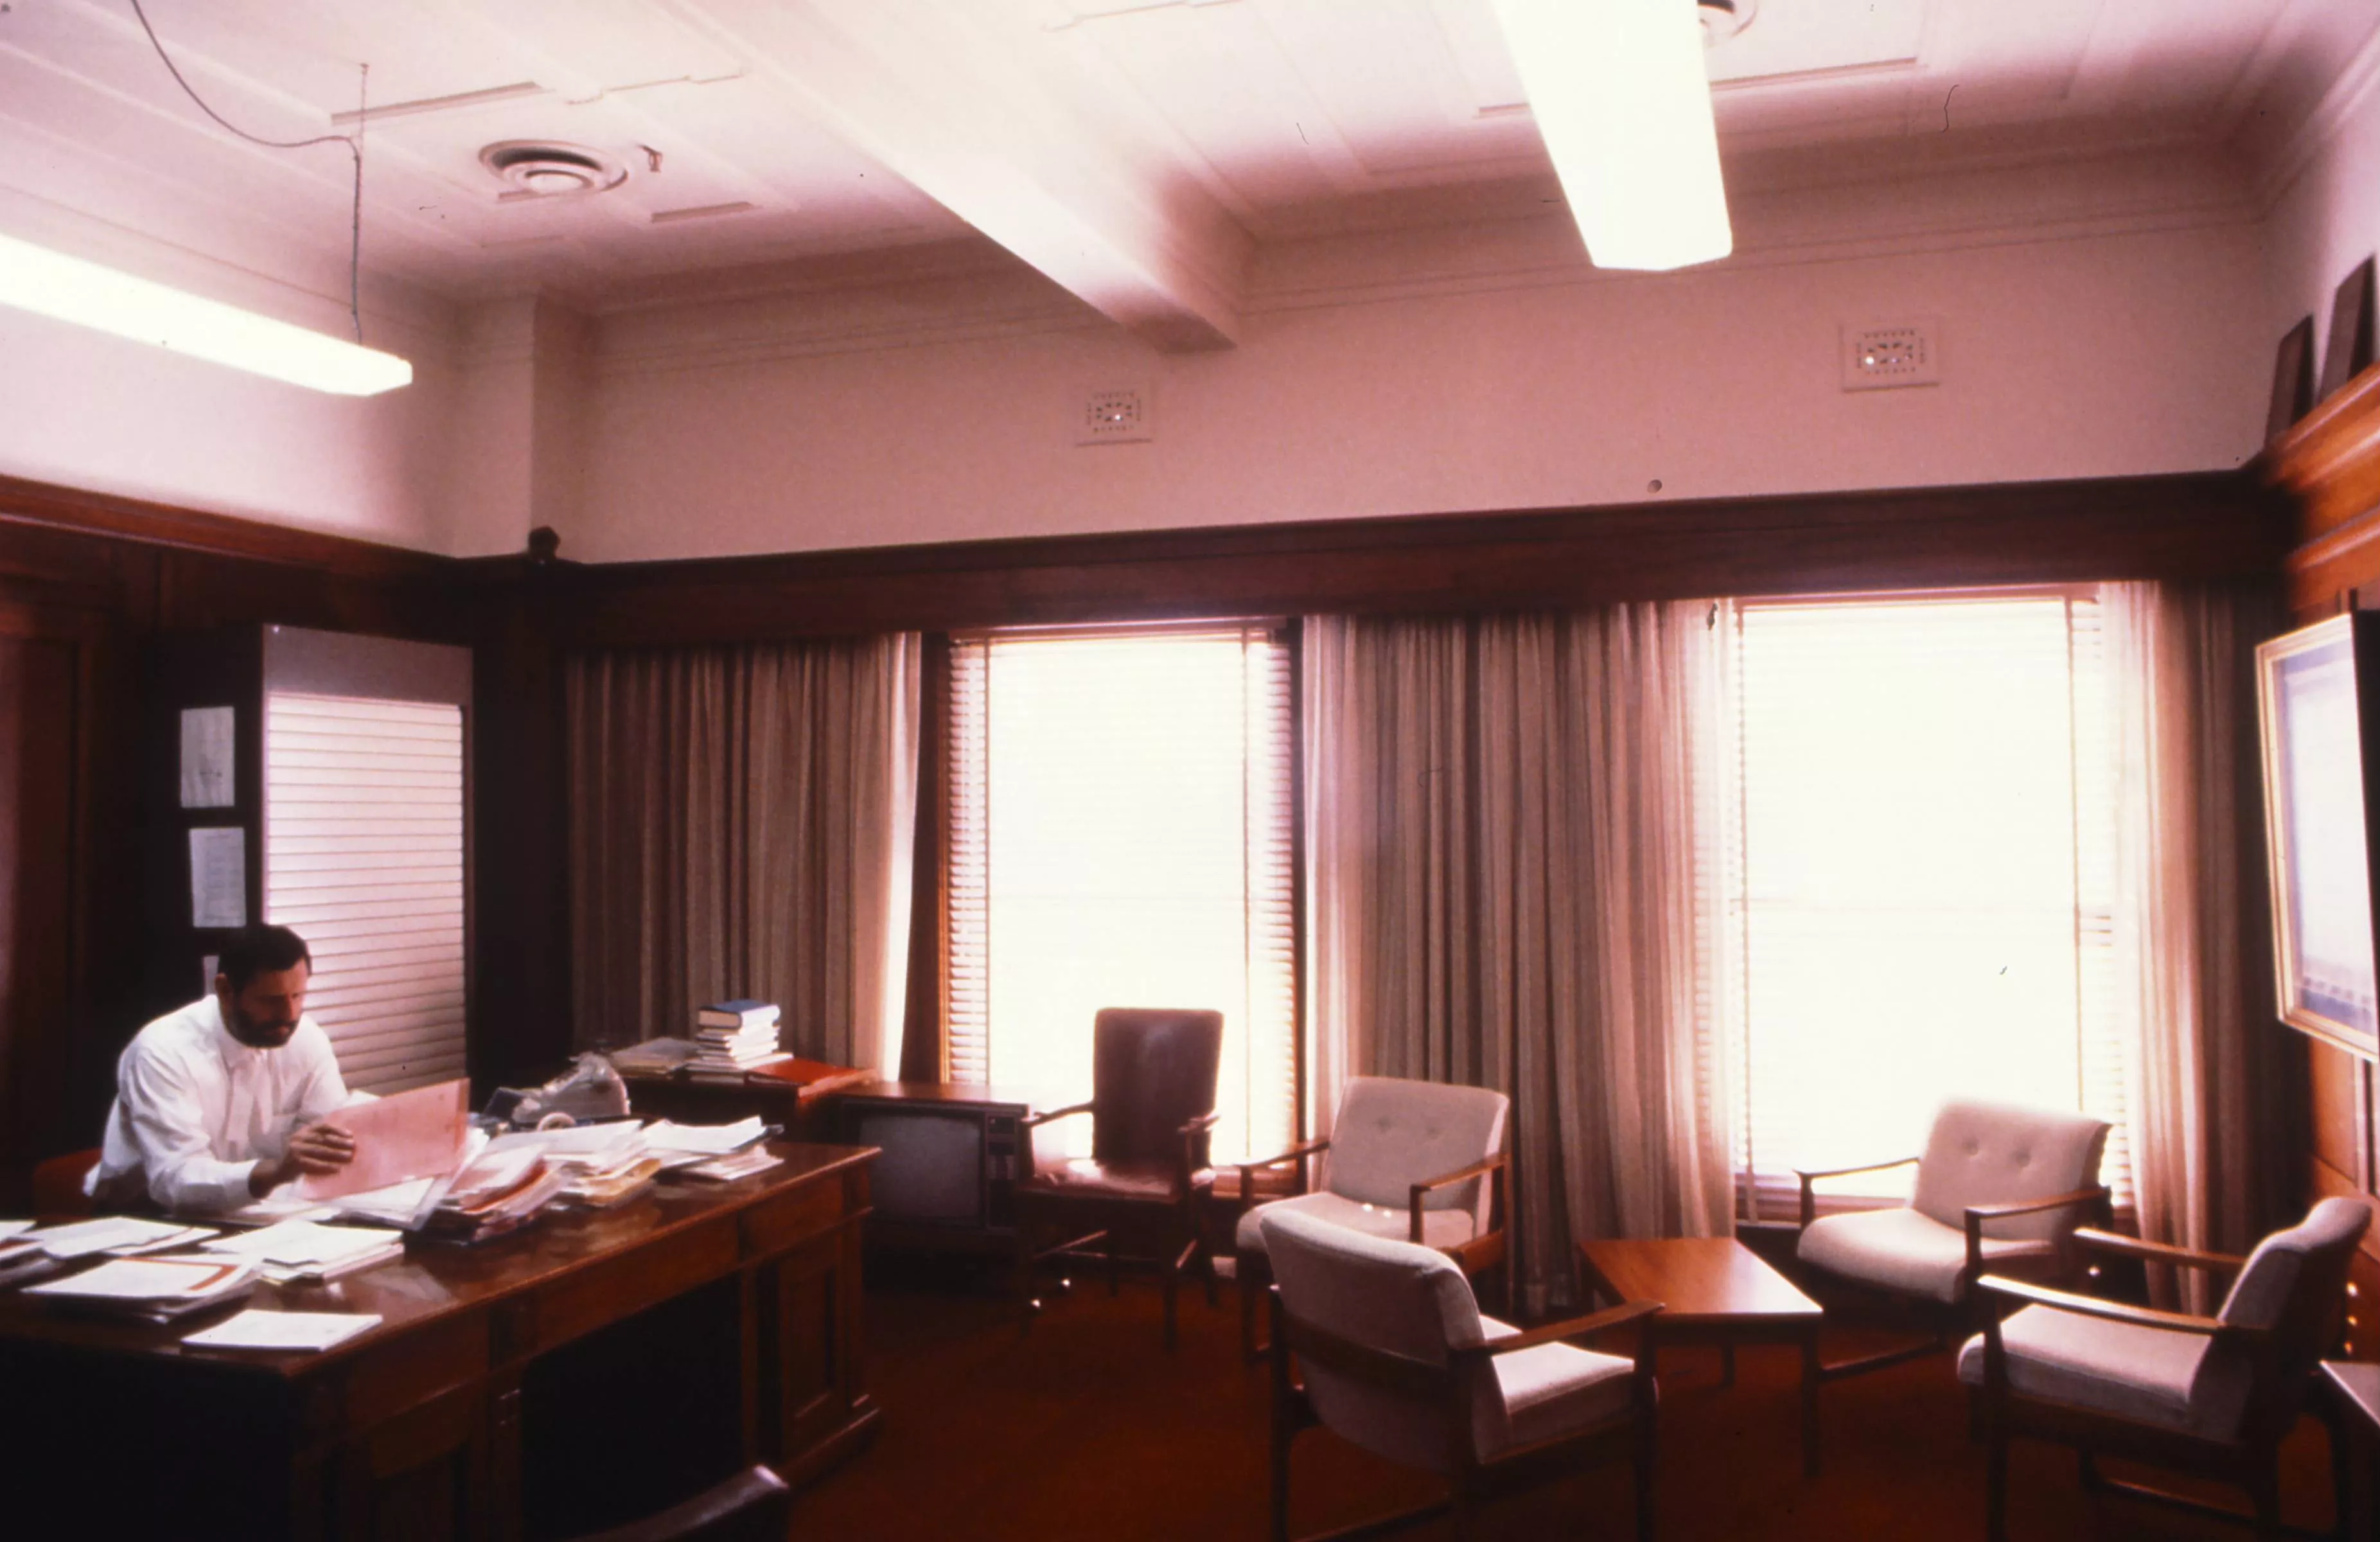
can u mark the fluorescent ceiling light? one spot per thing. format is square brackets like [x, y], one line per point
[1621, 95]
[69, 290]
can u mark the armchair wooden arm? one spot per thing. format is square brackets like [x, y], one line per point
[1811, 1175]
[1493, 1166]
[1192, 1130]
[1572, 1328]
[1301, 1153]
[2113, 1243]
[1037, 1121]
[2112, 1311]
[1979, 1214]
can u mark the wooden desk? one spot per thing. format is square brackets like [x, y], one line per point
[417, 1427]
[2353, 1388]
[1714, 1290]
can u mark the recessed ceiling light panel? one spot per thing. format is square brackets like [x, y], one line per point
[542, 168]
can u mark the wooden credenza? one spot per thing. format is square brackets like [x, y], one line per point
[583, 1370]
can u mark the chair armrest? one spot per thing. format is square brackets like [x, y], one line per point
[1574, 1328]
[2154, 1252]
[1202, 1122]
[1495, 1164]
[2031, 1207]
[1297, 1153]
[1978, 1214]
[1036, 1121]
[1811, 1175]
[2116, 1311]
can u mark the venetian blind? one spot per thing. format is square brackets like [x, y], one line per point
[1119, 835]
[363, 858]
[1925, 877]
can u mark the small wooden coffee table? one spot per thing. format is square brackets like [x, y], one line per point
[1713, 1289]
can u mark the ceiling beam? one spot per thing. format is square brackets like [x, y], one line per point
[973, 103]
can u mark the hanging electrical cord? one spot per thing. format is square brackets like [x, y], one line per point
[355, 148]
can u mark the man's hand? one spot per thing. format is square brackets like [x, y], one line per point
[322, 1147]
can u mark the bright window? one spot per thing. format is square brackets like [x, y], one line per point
[1120, 836]
[1921, 874]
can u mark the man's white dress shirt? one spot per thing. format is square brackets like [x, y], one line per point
[195, 1108]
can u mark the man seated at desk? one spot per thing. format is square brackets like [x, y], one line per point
[224, 1101]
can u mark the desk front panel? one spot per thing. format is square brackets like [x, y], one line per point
[418, 1417]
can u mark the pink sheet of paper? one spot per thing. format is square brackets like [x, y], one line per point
[405, 1135]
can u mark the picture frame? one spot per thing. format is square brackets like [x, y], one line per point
[2318, 710]
[2292, 380]
[2348, 351]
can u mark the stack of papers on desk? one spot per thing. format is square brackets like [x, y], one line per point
[742, 1164]
[501, 1191]
[257, 1329]
[158, 1288]
[684, 1144]
[118, 1235]
[306, 1252]
[654, 1057]
[21, 1258]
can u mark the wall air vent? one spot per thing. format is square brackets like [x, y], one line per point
[1115, 415]
[1903, 353]
[535, 168]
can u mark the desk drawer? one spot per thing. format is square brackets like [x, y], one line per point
[401, 1374]
[779, 1222]
[619, 1288]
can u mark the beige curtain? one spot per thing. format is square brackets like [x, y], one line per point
[1503, 834]
[2211, 1084]
[741, 822]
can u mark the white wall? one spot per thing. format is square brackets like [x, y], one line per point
[2327, 216]
[1509, 380]
[92, 411]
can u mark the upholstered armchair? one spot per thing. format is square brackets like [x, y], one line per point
[1152, 1109]
[1998, 1188]
[1393, 1355]
[1419, 1161]
[2209, 1396]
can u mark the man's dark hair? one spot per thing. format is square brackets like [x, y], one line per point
[259, 949]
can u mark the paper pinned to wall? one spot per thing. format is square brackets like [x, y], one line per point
[208, 780]
[219, 877]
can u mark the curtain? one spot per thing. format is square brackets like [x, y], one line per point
[741, 822]
[1504, 835]
[2211, 1085]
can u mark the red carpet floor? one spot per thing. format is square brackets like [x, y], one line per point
[1087, 1428]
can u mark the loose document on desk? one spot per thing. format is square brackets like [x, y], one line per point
[258, 1329]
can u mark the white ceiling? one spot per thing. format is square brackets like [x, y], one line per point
[1136, 151]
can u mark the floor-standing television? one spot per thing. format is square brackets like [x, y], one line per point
[2318, 698]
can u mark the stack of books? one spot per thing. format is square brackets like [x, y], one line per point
[732, 1039]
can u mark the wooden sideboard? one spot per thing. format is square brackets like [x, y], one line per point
[536, 1385]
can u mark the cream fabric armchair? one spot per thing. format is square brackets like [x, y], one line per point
[1423, 1161]
[2211, 1396]
[1393, 1355]
[1999, 1188]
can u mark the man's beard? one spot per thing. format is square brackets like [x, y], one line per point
[261, 1035]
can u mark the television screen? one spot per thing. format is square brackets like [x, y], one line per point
[2315, 791]
[931, 1170]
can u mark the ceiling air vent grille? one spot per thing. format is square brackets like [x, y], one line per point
[533, 168]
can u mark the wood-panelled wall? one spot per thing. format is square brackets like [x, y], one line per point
[2329, 465]
[86, 581]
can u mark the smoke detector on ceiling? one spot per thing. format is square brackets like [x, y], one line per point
[1723, 19]
[539, 168]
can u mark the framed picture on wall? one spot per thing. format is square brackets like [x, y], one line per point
[2316, 691]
